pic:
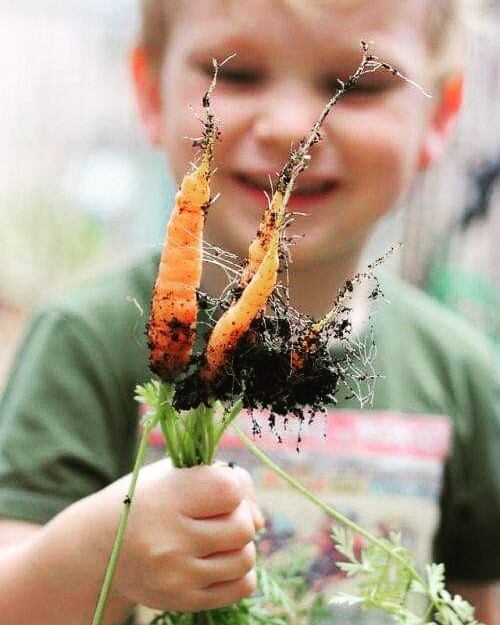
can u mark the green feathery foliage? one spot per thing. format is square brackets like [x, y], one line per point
[387, 580]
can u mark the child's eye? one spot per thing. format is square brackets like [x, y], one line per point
[241, 76]
[236, 75]
[362, 88]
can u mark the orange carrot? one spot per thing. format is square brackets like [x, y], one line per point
[306, 345]
[272, 219]
[171, 328]
[235, 322]
[172, 323]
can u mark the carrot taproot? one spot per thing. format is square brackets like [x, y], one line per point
[172, 324]
[171, 330]
[235, 322]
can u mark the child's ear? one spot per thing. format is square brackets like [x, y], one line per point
[146, 81]
[443, 120]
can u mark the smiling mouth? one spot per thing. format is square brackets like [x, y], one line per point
[306, 190]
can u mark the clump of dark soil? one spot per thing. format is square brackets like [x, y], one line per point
[281, 365]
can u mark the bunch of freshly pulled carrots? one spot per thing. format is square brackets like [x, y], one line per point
[253, 329]
[260, 349]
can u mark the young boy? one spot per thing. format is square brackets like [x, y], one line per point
[68, 420]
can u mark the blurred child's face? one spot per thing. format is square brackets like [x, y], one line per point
[268, 97]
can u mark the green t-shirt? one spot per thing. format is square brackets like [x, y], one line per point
[68, 420]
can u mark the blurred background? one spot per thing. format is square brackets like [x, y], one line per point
[80, 191]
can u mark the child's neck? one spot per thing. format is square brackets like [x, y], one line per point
[313, 289]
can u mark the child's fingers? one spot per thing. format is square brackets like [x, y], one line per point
[207, 491]
[246, 482]
[225, 533]
[226, 567]
[245, 479]
[222, 594]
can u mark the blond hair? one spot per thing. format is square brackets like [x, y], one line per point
[445, 29]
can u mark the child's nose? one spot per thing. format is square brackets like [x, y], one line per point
[286, 115]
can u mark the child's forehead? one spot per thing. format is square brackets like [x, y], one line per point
[310, 26]
[325, 18]
[309, 13]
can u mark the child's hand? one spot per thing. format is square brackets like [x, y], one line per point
[188, 544]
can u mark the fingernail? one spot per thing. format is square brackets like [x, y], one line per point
[259, 520]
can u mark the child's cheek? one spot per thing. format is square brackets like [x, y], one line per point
[380, 143]
[235, 114]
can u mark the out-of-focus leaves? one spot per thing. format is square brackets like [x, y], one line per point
[46, 244]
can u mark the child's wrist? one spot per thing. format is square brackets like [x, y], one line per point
[93, 522]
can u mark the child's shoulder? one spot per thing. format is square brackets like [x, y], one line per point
[100, 321]
[114, 297]
[430, 358]
[411, 313]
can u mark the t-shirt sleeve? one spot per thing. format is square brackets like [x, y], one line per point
[63, 431]
[468, 539]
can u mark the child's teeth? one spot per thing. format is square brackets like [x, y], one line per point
[252, 183]
[313, 188]
[302, 189]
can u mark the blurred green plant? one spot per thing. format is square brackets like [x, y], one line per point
[47, 244]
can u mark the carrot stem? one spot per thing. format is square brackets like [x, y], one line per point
[171, 434]
[149, 425]
[193, 437]
[226, 421]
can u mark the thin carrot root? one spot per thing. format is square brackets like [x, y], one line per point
[309, 341]
[235, 322]
[272, 219]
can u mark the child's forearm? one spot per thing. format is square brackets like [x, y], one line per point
[53, 576]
